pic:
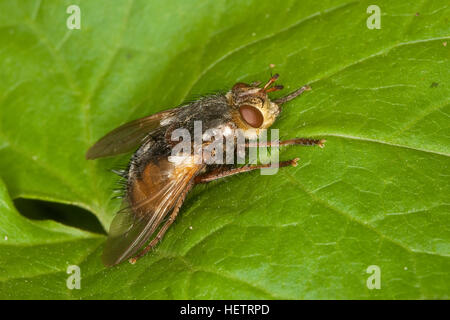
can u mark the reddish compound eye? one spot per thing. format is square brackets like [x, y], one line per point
[251, 115]
[240, 85]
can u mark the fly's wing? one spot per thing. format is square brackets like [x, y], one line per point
[150, 199]
[128, 136]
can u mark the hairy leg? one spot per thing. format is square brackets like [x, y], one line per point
[292, 95]
[295, 141]
[224, 172]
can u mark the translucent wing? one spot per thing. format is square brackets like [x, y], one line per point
[150, 199]
[128, 136]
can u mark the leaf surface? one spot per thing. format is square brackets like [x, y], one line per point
[377, 194]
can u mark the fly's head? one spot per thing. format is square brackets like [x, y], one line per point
[251, 106]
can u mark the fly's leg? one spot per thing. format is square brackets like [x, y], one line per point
[295, 141]
[223, 172]
[164, 228]
[292, 95]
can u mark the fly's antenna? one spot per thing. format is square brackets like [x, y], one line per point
[292, 95]
[271, 80]
[267, 87]
[274, 88]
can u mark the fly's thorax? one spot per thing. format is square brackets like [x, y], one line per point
[252, 109]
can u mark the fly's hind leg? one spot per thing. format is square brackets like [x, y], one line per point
[224, 172]
[164, 228]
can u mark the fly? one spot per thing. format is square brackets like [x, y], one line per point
[157, 182]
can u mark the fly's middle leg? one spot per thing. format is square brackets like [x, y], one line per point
[290, 142]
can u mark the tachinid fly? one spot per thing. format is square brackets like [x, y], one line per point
[157, 184]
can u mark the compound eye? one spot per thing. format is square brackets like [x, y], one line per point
[239, 86]
[251, 115]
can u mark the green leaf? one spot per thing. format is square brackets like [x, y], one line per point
[377, 194]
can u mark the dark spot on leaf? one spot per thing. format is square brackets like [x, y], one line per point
[434, 85]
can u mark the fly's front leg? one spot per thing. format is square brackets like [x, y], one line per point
[295, 141]
[225, 172]
[292, 95]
